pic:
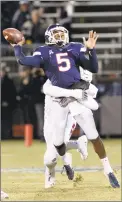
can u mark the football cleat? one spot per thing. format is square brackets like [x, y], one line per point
[69, 172]
[67, 160]
[113, 180]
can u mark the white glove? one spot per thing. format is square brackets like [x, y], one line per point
[85, 75]
[79, 94]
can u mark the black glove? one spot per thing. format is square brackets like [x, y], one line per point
[66, 100]
[84, 85]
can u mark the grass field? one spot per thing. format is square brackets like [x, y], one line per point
[24, 185]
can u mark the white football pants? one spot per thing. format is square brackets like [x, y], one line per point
[51, 133]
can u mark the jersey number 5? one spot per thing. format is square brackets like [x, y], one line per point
[60, 59]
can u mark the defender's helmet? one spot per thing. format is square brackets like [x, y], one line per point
[56, 34]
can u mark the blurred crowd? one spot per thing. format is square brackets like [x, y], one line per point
[28, 98]
[28, 17]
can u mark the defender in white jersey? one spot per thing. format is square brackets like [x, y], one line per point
[51, 152]
[84, 117]
[51, 155]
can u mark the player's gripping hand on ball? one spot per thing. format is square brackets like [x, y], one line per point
[21, 43]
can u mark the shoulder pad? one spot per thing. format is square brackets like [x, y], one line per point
[79, 46]
[83, 49]
[39, 50]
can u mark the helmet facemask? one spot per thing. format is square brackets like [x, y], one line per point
[57, 35]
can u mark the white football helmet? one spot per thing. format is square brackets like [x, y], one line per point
[56, 34]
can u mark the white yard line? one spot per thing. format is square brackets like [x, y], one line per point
[58, 169]
[5, 183]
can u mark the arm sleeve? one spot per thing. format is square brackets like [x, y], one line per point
[91, 63]
[55, 91]
[36, 60]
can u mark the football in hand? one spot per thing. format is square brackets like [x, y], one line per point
[13, 35]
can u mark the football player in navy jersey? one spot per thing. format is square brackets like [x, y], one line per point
[61, 61]
[59, 58]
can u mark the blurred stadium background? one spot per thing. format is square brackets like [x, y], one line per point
[24, 99]
[22, 102]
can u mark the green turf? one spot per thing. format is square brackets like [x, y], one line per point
[30, 186]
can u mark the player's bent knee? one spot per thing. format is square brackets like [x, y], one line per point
[96, 139]
[61, 149]
[93, 135]
[57, 141]
[86, 121]
[50, 159]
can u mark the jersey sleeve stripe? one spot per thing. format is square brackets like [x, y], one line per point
[83, 49]
[36, 53]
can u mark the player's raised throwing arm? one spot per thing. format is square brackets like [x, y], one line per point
[35, 60]
[90, 64]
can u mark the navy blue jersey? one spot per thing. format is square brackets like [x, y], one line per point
[61, 65]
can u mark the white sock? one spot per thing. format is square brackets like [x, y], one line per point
[67, 159]
[106, 165]
[72, 145]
